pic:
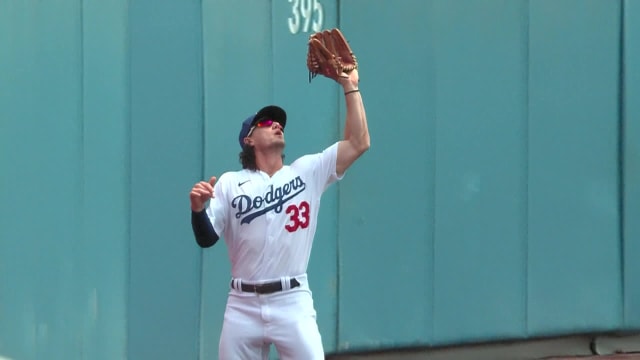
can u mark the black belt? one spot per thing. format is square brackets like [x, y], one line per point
[266, 288]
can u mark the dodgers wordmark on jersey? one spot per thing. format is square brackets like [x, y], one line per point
[268, 223]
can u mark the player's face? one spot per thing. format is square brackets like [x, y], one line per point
[267, 133]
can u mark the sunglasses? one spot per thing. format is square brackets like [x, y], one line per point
[263, 123]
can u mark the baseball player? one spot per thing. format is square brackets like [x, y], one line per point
[267, 214]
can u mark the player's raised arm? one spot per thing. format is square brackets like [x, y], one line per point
[356, 133]
[330, 55]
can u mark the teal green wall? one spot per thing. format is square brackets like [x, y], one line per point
[166, 102]
[498, 200]
[574, 117]
[631, 163]
[64, 224]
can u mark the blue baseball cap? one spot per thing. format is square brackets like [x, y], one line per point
[272, 112]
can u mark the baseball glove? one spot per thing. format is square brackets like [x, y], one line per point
[330, 55]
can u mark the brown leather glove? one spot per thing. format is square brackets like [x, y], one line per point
[330, 55]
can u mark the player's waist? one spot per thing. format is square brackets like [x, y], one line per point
[269, 286]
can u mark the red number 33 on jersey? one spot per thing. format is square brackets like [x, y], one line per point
[299, 216]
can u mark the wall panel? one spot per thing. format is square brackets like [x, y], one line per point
[166, 131]
[41, 283]
[480, 171]
[385, 224]
[106, 173]
[574, 245]
[631, 149]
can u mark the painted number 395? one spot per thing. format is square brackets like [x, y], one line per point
[299, 216]
[305, 15]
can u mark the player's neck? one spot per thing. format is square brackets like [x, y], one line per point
[269, 162]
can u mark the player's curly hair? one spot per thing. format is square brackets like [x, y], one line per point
[248, 157]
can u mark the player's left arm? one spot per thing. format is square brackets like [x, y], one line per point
[356, 133]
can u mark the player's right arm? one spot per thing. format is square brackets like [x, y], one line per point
[203, 230]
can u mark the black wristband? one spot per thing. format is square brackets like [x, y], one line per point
[351, 91]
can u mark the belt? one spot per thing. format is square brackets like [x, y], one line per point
[266, 288]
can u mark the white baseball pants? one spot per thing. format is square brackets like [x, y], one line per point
[286, 319]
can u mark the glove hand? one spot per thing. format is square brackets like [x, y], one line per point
[330, 55]
[349, 81]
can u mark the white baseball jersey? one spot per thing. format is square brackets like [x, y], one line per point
[269, 223]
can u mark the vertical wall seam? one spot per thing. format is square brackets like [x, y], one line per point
[203, 153]
[273, 53]
[527, 163]
[82, 146]
[338, 212]
[203, 150]
[129, 166]
[82, 106]
[621, 158]
[432, 267]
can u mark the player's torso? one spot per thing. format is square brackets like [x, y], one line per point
[270, 222]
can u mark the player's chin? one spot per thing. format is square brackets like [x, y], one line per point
[278, 143]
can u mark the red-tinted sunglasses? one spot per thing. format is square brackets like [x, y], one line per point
[263, 123]
[266, 122]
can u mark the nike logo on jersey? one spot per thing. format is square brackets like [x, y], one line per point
[272, 200]
[242, 183]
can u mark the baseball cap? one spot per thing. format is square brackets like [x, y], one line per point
[272, 112]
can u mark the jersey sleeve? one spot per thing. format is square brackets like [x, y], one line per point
[329, 158]
[321, 167]
[217, 209]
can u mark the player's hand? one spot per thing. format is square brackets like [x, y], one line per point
[201, 193]
[349, 81]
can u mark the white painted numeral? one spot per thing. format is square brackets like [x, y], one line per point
[306, 15]
[317, 8]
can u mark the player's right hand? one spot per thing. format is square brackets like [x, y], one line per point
[201, 193]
